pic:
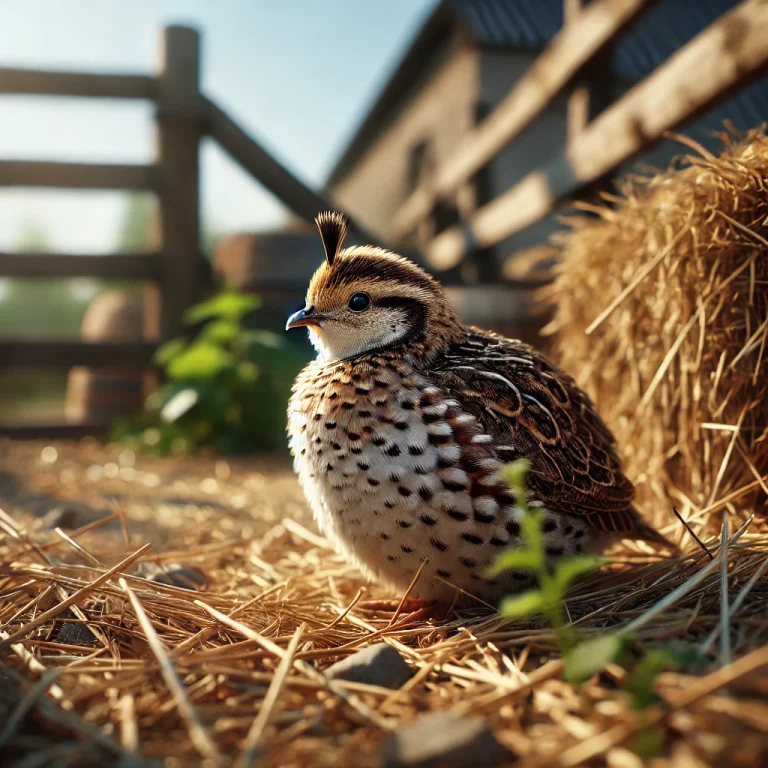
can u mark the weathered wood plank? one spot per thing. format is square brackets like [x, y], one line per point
[588, 33]
[579, 102]
[725, 55]
[254, 159]
[118, 266]
[66, 353]
[85, 84]
[27, 173]
[179, 129]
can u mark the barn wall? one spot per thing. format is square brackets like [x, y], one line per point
[532, 150]
[440, 110]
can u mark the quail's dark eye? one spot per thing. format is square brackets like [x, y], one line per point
[359, 302]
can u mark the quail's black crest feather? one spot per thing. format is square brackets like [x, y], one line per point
[333, 231]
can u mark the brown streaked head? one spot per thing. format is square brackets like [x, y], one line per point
[366, 299]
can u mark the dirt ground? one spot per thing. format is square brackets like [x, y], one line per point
[245, 525]
[194, 501]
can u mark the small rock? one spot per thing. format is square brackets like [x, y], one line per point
[445, 741]
[71, 516]
[174, 575]
[378, 664]
[75, 633]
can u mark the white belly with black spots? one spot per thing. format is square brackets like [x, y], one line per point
[380, 461]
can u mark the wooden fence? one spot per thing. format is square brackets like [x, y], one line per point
[183, 117]
[721, 58]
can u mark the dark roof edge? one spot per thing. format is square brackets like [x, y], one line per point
[438, 26]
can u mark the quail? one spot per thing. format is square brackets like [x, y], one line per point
[400, 425]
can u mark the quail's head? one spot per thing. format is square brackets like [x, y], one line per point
[364, 299]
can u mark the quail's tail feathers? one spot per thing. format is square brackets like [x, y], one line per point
[645, 532]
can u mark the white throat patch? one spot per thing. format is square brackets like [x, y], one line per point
[334, 342]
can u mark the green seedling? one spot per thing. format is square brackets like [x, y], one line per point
[553, 582]
[581, 659]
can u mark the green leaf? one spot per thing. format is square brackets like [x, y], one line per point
[199, 361]
[222, 332]
[592, 656]
[640, 684]
[168, 351]
[276, 358]
[516, 559]
[649, 743]
[230, 305]
[515, 473]
[573, 568]
[214, 405]
[247, 372]
[520, 606]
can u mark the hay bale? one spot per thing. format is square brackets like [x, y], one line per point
[661, 312]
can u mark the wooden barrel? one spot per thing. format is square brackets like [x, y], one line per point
[277, 267]
[102, 395]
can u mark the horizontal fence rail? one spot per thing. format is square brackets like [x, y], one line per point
[117, 266]
[28, 173]
[82, 84]
[46, 430]
[723, 56]
[273, 175]
[66, 353]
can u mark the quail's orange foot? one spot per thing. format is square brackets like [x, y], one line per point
[400, 425]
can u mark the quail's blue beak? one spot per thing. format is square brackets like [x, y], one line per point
[305, 316]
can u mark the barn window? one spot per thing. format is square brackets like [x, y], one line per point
[419, 164]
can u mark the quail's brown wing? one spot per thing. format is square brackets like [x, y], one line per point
[534, 411]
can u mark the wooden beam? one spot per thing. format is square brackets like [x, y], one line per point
[568, 51]
[53, 431]
[42, 83]
[579, 101]
[66, 353]
[117, 266]
[179, 129]
[26, 173]
[270, 173]
[725, 55]
[594, 89]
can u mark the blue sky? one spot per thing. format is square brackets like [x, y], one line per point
[298, 74]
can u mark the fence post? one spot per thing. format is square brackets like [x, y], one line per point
[179, 127]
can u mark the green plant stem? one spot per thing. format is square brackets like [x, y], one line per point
[554, 610]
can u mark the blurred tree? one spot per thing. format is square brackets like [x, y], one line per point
[135, 232]
[209, 239]
[38, 306]
[136, 228]
[35, 307]
[32, 237]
